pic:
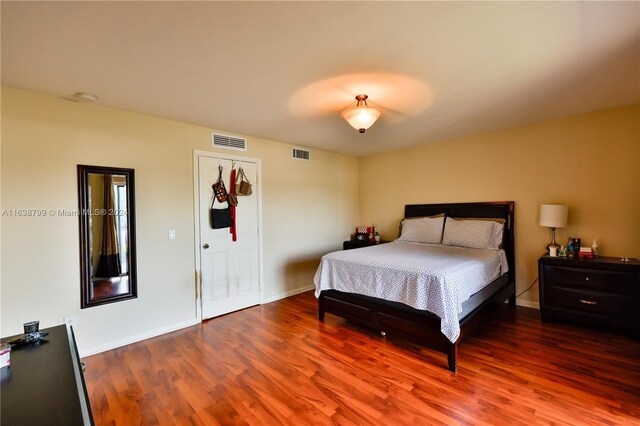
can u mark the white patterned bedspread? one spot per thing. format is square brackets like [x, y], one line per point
[429, 277]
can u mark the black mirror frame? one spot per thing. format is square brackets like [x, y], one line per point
[83, 217]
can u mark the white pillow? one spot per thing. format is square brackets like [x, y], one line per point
[480, 234]
[422, 230]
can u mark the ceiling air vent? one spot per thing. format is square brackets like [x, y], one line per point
[228, 142]
[301, 154]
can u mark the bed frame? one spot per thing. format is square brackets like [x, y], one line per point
[385, 316]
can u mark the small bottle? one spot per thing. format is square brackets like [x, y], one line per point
[594, 248]
[377, 237]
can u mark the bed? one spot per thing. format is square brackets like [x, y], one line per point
[439, 320]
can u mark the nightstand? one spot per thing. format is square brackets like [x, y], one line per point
[603, 291]
[348, 245]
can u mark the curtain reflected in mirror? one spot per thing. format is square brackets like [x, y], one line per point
[107, 230]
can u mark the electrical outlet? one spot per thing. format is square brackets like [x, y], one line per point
[71, 320]
[172, 234]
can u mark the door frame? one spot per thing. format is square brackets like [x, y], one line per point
[197, 226]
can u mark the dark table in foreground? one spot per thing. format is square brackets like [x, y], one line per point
[44, 384]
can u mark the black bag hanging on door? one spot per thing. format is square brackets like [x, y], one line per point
[220, 218]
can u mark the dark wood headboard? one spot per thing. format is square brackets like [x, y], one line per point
[499, 209]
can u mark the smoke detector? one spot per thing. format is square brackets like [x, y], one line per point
[86, 97]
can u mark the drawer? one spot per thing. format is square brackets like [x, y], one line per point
[614, 305]
[596, 279]
[348, 309]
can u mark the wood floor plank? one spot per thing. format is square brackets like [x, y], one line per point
[277, 364]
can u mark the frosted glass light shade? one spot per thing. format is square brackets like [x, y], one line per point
[553, 215]
[361, 116]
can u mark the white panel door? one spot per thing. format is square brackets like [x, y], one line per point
[229, 269]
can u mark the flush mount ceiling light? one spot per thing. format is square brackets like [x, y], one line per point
[361, 116]
[86, 97]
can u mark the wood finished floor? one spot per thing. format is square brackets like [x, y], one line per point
[276, 364]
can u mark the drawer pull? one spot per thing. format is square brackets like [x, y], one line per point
[588, 302]
[587, 278]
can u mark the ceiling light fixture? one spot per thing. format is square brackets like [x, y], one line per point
[361, 116]
[86, 97]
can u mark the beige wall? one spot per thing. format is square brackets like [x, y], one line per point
[590, 162]
[308, 209]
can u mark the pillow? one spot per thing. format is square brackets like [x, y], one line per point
[416, 217]
[422, 230]
[498, 232]
[479, 234]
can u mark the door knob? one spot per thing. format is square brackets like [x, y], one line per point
[205, 246]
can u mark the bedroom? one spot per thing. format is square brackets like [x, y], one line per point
[548, 114]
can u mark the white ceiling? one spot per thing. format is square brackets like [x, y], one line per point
[284, 71]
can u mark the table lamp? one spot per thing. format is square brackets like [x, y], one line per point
[553, 216]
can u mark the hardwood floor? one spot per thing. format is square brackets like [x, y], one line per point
[110, 286]
[277, 364]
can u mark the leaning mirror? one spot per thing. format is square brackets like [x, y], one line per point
[106, 201]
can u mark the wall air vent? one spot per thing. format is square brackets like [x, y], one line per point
[228, 142]
[301, 154]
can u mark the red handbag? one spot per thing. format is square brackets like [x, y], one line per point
[218, 188]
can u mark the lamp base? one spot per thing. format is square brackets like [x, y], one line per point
[553, 244]
[553, 241]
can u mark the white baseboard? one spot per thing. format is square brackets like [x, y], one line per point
[184, 324]
[136, 338]
[287, 294]
[528, 304]
[157, 332]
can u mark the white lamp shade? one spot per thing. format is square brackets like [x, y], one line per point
[553, 215]
[361, 117]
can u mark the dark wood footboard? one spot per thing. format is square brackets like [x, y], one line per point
[389, 317]
[380, 317]
[422, 326]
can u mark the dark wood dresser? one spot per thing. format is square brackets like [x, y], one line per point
[603, 291]
[44, 384]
